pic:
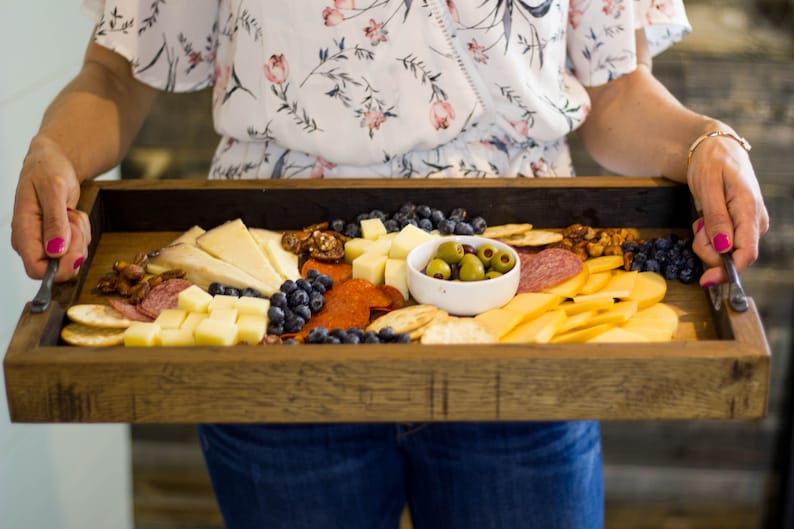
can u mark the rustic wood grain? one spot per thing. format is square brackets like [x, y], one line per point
[717, 367]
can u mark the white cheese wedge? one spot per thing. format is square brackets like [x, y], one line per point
[285, 262]
[396, 275]
[370, 266]
[233, 243]
[190, 236]
[406, 240]
[202, 268]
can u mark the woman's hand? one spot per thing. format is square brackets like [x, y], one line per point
[45, 223]
[722, 180]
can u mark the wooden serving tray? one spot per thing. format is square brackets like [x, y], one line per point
[716, 367]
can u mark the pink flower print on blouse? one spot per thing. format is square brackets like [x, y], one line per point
[319, 168]
[375, 32]
[441, 113]
[220, 78]
[277, 69]
[665, 7]
[521, 126]
[477, 51]
[453, 11]
[613, 8]
[575, 14]
[344, 4]
[372, 119]
[194, 58]
[332, 16]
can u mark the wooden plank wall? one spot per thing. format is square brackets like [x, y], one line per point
[684, 474]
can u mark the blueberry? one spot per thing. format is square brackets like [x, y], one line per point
[446, 226]
[289, 341]
[464, 228]
[402, 337]
[412, 222]
[479, 224]
[423, 211]
[312, 273]
[637, 266]
[370, 337]
[647, 246]
[671, 272]
[215, 288]
[316, 302]
[663, 243]
[288, 286]
[278, 299]
[337, 225]
[630, 246]
[352, 230]
[351, 338]
[358, 331]
[332, 340]
[386, 334]
[378, 214]
[661, 257]
[652, 265]
[458, 214]
[231, 291]
[275, 315]
[408, 208]
[298, 297]
[318, 287]
[426, 224]
[251, 293]
[687, 275]
[339, 333]
[317, 335]
[303, 311]
[436, 216]
[304, 284]
[640, 257]
[392, 225]
[361, 216]
[294, 324]
[326, 281]
[274, 328]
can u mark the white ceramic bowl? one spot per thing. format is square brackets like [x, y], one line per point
[460, 298]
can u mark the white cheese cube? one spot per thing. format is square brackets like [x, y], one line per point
[171, 318]
[251, 328]
[194, 299]
[222, 301]
[355, 247]
[193, 319]
[139, 333]
[372, 228]
[406, 240]
[370, 266]
[227, 314]
[252, 305]
[176, 337]
[215, 332]
[395, 274]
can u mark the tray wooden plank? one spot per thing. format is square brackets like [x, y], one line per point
[717, 367]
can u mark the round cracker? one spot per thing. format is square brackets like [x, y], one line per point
[440, 316]
[406, 319]
[532, 238]
[88, 336]
[97, 315]
[457, 331]
[505, 230]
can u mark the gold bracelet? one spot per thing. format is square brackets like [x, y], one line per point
[742, 141]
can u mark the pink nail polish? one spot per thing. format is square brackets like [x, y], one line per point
[56, 245]
[69, 209]
[721, 242]
[78, 262]
[708, 284]
[700, 225]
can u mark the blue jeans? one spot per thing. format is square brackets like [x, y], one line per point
[451, 475]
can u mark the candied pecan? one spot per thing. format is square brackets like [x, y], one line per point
[291, 242]
[155, 280]
[107, 284]
[595, 249]
[132, 272]
[138, 292]
[628, 260]
[120, 265]
[123, 286]
[613, 249]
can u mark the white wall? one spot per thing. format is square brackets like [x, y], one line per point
[51, 476]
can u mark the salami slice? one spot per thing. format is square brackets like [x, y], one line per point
[163, 296]
[547, 268]
[129, 310]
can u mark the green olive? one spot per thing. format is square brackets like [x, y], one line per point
[450, 251]
[471, 269]
[438, 268]
[492, 274]
[486, 253]
[503, 261]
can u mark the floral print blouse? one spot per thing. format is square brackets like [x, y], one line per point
[387, 88]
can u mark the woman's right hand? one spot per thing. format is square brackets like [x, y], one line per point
[45, 223]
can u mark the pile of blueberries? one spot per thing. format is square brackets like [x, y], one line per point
[670, 256]
[356, 335]
[217, 289]
[457, 222]
[296, 301]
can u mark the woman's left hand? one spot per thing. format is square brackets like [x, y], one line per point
[722, 180]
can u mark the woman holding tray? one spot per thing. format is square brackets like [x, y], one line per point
[394, 89]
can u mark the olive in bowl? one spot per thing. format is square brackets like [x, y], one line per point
[469, 283]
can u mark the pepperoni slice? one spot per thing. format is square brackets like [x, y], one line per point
[339, 272]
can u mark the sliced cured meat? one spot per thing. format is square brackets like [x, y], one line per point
[129, 310]
[547, 268]
[163, 296]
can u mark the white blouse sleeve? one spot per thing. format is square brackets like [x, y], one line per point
[601, 42]
[170, 46]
